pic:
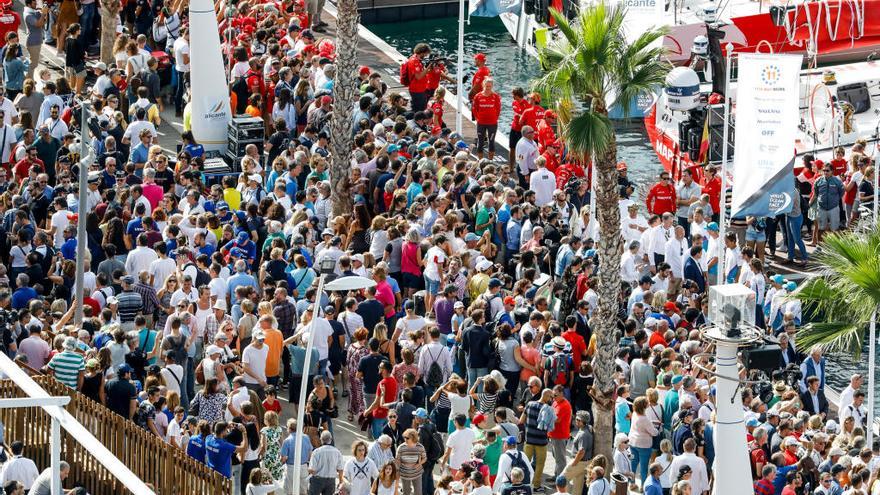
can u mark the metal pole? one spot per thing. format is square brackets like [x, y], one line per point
[872, 354]
[301, 405]
[56, 456]
[459, 69]
[81, 243]
[722, 223]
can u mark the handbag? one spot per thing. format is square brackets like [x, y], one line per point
[365, 420]
[313, 433]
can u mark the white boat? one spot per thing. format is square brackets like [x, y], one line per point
[838, 106]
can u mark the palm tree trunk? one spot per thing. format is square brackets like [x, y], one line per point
[608, 289]
[109, 21]
[345, 94]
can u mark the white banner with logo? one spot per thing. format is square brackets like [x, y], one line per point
[210, 92]
[767, 119]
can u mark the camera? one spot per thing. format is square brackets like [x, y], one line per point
[437, 59]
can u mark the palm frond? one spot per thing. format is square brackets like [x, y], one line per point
[832, 337]
[589, 133]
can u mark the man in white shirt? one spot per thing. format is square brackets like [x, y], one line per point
[505, 464]
[323, 336]
[181, 65]
[19, 468]
[542, 182]
[140, 258]
[10, 113]
[50, 99]
[172, 373]
[59, 221]
[658, 236]
[254, 361]
[350, 320]
[633, 224]
[526, 154]
[846, 396]
[162, 267]
[699, 477]
[57, 127]
[629, 264]
[7, 142]
[677, 251]
[856, 410]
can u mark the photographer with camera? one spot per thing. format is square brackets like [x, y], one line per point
[414, 75]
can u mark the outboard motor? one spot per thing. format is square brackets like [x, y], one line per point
[716, 59]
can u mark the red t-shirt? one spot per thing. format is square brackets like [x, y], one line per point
[552, 160]
[390, 394]
[436, 106]
[530, 116]
[839, 166]
[23, 167]
[275, 406]
[562, 430]
[578, 347]
[713, 189]
[519, 106]
[487, 108]
[9, 23]
[656, 338]
[414, 66]
[565, 172]
[479, 76]
[661, 199]
[545, 132]
[433, 76]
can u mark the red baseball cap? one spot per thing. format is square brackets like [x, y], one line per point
[510, 301]
[670, 306]
[364, 70]
[326, 99]
[480, 57]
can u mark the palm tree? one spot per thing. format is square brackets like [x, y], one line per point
[345, 91]
[845, 294]
[590, 63]
[109, 20]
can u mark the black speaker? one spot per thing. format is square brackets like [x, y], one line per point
[765, 357]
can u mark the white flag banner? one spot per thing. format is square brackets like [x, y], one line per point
[767, 120]
[210, 93]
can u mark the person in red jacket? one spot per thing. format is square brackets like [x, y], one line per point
[480, 75]
[520, 104]
[661, 197]
[712, 187]
[545, 132]
[533, 112]
[417, 73]
[486, 109]
[551, 154]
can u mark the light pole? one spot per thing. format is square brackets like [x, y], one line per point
[85, 161]
[328, 265]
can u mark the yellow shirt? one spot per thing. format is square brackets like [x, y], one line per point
[232, 198]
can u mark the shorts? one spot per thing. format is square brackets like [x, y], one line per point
[432, 286]
[513, 139]
[411, 281]
[755, 236]
[828, 219]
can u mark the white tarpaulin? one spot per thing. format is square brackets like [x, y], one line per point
[767, 120]
[210, 91]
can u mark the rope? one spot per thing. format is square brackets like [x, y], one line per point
[856, 28]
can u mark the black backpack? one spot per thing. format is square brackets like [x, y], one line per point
[137, 359]
[518, 461]
[434, 378]
[202, 277]
[435, 446]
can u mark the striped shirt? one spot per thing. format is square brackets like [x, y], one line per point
[67, 366]
[326, 462]
[130, 304]
[534, 435]
[408, 461]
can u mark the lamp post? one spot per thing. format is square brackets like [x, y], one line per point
[328, 265]
[86, 157]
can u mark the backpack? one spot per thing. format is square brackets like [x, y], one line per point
[404, 74]
[202, 277]
[517, 461]
[434, 378]
[560, 366]
[137, 358]
[435, 446]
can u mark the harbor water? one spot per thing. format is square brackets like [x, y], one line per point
[510, 68]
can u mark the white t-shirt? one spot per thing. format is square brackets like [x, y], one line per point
[219, 288]
[360, 474]
[323, 331]
[461, 442]
[181, 48]
[60, 222]
[161, 269]
[171, 380]
[434, 259]
[7, 141]
[174, 431]
[543, 182]
[9, 111]
[459, 404]
[255, 359]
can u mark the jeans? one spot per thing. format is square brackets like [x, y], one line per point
[190, 378]
[795, 237]
[428, 478]
[539, 453]
[686, 225]
[180, 90]
[474, 373]
[640, 460]
[87, 22]
[377, 426]
[321, 486]
[411, 487]
[512, 384]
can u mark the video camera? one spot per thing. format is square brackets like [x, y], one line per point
[435, 59]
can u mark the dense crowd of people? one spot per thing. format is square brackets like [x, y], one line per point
[468, 362]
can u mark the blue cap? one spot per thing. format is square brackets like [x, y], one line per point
[589, 253]
[241, 216]
[236, 252]
[712, 226]
[243, 236]
[461, 145]
[123, 368]
[511, 440]
[677, 379]
[424, 146]
[753, 422]
[790, 286]
[420, 413]
[561, 480]
[777, 279]
[393, 148]
[493, 283]
[471, 237]
[222, 205]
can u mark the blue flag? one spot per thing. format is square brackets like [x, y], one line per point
[492, 8]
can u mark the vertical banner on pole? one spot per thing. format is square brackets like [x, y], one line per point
[766, 126]
[210, 96]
